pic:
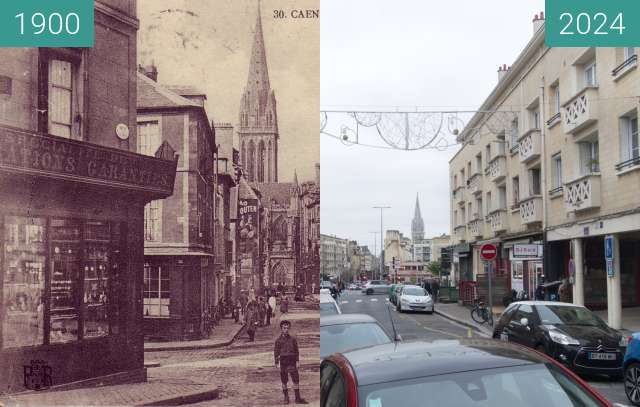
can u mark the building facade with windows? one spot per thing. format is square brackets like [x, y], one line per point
[333, 256]
[181, 281]
[73, 193]
[553, 170]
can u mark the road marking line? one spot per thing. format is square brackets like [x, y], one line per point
[344, 302]
[358, 300]
[442, 332]
[374, 299]
[620, 405]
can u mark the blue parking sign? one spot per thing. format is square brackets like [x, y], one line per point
[608, 247]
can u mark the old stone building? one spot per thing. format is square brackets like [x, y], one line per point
[73, 193]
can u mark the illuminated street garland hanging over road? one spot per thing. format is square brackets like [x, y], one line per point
[414, 130]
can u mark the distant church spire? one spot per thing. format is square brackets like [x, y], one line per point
[258, 127]
[417, 224]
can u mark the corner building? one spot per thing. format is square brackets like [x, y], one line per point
[552, 171]
[73, 193]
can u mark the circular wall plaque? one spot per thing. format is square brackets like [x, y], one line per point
[122, 131]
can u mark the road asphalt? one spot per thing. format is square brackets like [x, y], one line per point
[422, 326]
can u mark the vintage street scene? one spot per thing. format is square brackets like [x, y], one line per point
[482, 245]
[160, 217]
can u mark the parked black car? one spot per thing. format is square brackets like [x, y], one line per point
[571, 334]
[464, 373]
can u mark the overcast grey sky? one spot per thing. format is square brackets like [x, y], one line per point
[406, 53]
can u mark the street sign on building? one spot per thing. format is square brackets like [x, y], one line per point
[610, 272]
[488, 252]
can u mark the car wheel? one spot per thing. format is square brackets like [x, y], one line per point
[369, 291]
[632, 383]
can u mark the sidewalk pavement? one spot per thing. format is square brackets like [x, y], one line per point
[462, 315]
[166, 389]
[222, 334]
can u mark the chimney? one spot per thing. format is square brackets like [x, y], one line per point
[538, 21]
[150, 71]
[502, 71]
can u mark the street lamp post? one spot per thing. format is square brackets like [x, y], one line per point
[375, 249]
[381, 238]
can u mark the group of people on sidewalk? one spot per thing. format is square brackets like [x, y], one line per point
[255, 312]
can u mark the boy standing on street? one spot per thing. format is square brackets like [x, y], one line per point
[286, 354]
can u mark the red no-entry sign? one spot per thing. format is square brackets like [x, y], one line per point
[488, 252]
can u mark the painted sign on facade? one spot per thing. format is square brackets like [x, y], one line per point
[248, 227]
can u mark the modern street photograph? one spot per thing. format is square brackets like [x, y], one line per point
[480, 236]
[160, 217]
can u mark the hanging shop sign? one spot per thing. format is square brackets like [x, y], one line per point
[526, 252]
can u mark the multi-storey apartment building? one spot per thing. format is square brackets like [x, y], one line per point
[333, 255]
[73, 193]
[551, 165]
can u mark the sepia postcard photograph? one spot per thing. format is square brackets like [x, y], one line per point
[160, 205]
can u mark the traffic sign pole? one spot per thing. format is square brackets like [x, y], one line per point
[489, 272]
[488, 252]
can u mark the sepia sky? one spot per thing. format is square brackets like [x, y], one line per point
[407, 53]
[207, 44]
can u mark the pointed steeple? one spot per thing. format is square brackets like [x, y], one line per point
[295, 177]
[417, 224]
[258, 78]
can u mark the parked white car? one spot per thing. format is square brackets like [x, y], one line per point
[329, 306]
[414, 298]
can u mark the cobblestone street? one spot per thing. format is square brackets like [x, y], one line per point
[244, 371]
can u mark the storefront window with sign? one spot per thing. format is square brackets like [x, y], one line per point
[23, 282]
[80, 272]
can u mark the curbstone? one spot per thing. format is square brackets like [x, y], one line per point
[463, 322]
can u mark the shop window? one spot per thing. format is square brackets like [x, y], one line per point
[65, 280]
[96, 280]
[23, 282]
[156, 291]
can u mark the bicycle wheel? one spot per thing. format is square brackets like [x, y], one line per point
[476, 315]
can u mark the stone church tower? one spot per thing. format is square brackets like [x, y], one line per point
[258, 127]
[417, 224]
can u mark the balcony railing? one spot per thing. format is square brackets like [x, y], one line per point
[581, 110]
[582, 193]
[460, 232]
[529, 145]
[476, 227]
[498, 220]
[498, 168]
[475, 182]
[531, 210]
[553, 120]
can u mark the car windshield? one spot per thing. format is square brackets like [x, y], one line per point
[567, 315]
[340, 338]
[414, 291]
[522, 386]
[328, 308]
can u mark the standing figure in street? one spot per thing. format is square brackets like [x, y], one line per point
[268, 312]
[252, 320]
[272, 304]
[284, 305]
[286, 355]
[435, 288]
[236, 311]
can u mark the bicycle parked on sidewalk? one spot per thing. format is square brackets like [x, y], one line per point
[480, 313]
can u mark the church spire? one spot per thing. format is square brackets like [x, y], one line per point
[417, 224]
[258, 78]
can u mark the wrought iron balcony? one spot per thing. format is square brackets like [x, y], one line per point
[531, 210]
[498, 220]
[581, 110]
[582, 193]
[529, 145]
[475, 183]
[498, 168]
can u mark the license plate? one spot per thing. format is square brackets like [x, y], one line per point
[602, 356]
[504, 337]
